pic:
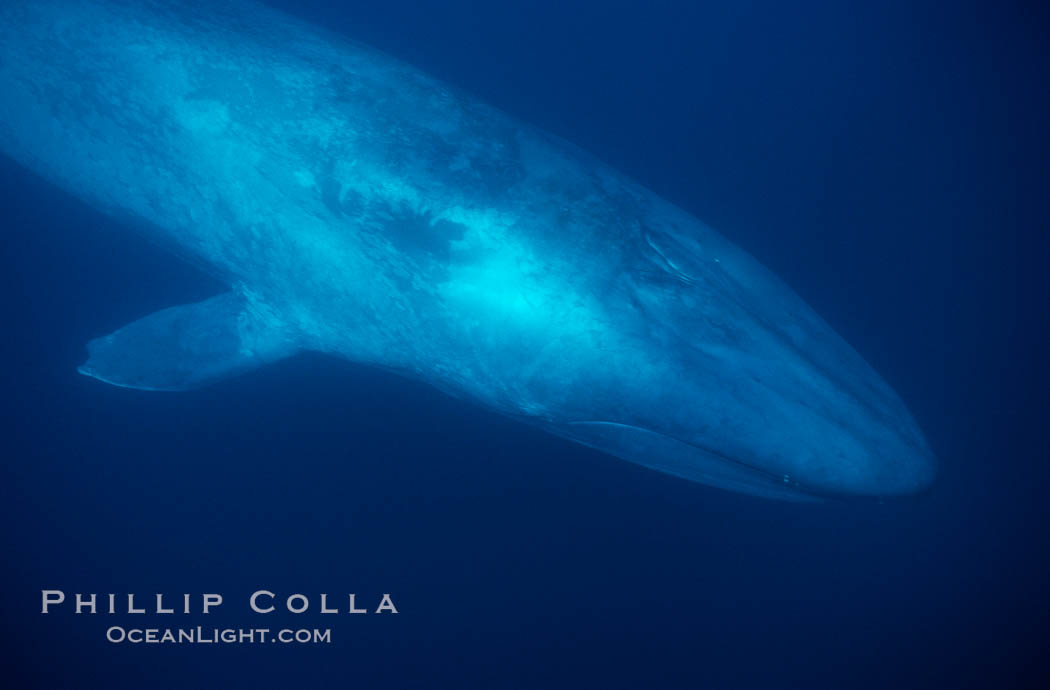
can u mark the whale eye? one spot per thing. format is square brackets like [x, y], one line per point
[671, 257]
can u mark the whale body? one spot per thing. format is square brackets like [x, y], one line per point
[357, 207]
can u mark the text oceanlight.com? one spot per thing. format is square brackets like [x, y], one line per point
[201, 635]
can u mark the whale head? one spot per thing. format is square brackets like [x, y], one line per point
[722, 375]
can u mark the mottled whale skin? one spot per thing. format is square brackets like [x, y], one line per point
[357, 207]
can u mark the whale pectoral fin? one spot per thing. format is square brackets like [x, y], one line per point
[188, 346]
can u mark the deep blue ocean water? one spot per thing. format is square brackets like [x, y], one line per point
[890, 163]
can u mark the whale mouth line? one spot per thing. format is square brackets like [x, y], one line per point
[687, 459]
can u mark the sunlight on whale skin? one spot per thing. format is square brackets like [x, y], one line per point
[358, 207]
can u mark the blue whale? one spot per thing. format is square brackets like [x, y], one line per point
[357, 207]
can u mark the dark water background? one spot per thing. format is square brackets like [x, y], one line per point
[890, 163]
